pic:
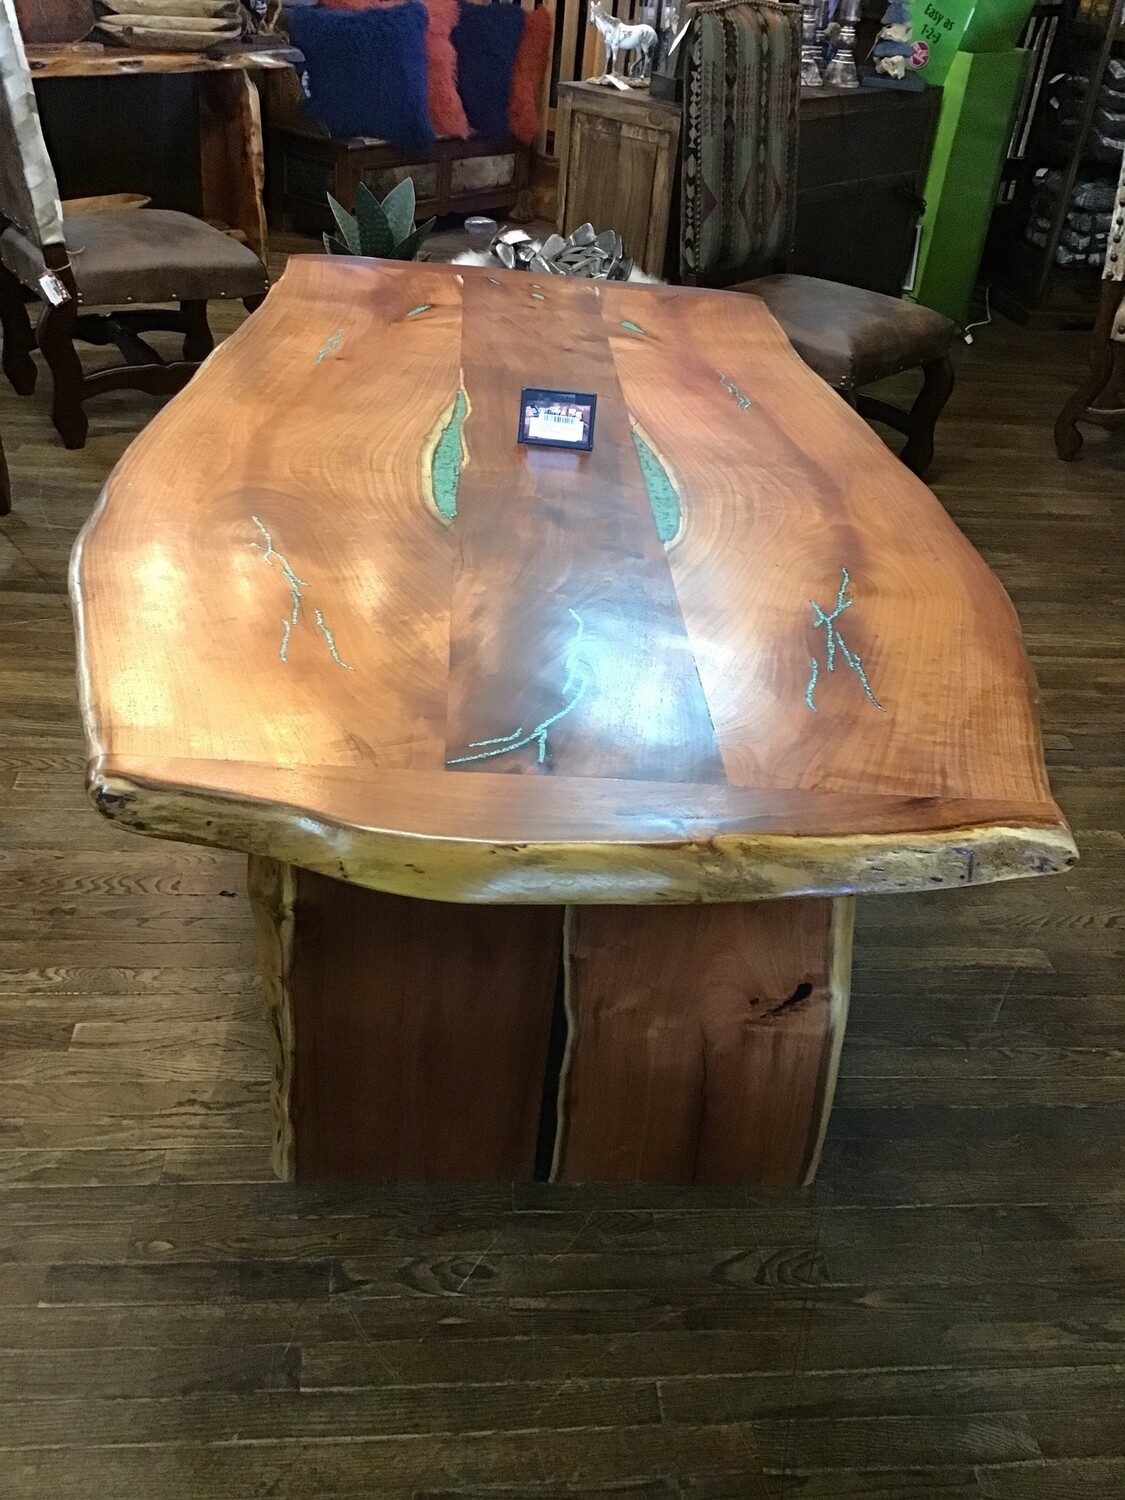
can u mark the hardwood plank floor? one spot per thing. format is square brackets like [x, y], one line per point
[942, 1316]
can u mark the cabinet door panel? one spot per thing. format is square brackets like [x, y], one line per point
[619, 177]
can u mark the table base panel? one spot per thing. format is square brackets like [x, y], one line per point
[410, 1037]
[703, 1041]
[413, 1039]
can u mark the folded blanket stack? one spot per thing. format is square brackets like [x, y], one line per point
[170, 25]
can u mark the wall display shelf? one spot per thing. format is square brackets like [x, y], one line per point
[1046, 246]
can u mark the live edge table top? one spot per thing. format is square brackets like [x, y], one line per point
[331, 612]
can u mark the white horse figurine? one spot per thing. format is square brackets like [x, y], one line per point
[618, 36]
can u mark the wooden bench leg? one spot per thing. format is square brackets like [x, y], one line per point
[231, 157]
[702, 1041]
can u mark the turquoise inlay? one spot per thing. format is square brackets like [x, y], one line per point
[575, 685]
[269, 552]
[331, 345]
[423, 307]
[330, 639]
[834, 639]
[539, 297]
[633, 327]
[662, 494]
[445, 466]
[740, 396]
[812, 684]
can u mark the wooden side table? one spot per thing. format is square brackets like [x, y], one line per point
[230, 126]
[617, 166]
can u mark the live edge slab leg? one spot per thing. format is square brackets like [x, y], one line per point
[425, 1041]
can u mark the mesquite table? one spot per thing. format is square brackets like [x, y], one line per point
[558, 772]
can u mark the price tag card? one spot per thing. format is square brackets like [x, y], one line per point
[557, 419]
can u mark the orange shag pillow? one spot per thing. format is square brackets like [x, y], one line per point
[527, 75]
[446, 110]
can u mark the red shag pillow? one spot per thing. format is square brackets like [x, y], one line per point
[532, 57]
[446, 110]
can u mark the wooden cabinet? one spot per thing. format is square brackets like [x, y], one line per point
[861, 168]
[617, 166]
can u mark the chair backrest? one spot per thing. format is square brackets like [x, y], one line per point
[739, 157]
[29, 193]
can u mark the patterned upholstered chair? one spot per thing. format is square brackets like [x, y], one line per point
[100, 259]
[1100, 399]
[737, 211]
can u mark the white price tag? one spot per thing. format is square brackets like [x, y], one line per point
[53, 289]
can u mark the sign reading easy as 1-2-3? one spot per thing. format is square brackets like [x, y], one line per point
[937, 33]
[945, 27]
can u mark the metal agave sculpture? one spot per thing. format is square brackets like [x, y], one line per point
[385, 229]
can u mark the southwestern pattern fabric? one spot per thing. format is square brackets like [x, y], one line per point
[741, 94]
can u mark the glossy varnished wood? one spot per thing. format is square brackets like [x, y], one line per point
[939, 1316]
[699, 760]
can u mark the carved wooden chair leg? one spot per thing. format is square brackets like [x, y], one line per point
[917, 425]
[1068, 439]
[937, 387]
[5, 484]
[198, 338]
[19, 338]
[55, 336]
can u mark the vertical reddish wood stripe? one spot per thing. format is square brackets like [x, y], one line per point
[566, 636]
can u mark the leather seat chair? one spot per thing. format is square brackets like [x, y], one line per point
[738, 208]
[98, 259]
[852, 338]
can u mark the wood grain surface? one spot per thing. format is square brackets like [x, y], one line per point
[703, 1042]
[410, 1037]
[940, 1315]
[817, 687]
[93, 60]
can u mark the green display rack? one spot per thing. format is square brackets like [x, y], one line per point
[980, 92]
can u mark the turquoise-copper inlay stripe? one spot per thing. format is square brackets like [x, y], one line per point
[445, 473]
[576, 684]
[740, 397]
[662, 494]
[423, 307]
[833, 639]
[332, 345]
[633, 327]
[296, 598]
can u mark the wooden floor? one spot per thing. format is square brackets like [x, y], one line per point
[942, 1316]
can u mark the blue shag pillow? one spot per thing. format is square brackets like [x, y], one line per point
[487, 38]
[365, 70]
